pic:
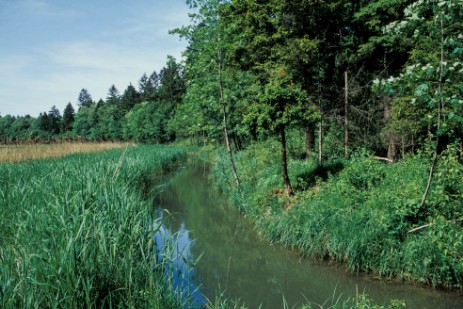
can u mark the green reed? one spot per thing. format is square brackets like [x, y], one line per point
[76, 232]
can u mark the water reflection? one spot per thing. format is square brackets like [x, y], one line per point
[175, 247]
[234, 259]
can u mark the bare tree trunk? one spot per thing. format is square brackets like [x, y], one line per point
[284, 163]
[392, 148]
[224, 113]
[346, 116]
[309, 140]
[439, 115]
[392, 139]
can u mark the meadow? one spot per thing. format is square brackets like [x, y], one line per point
[76, 231]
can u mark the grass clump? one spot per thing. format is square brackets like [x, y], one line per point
[359, 212]
[77, 231]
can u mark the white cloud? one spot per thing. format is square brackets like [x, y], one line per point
[53, 72]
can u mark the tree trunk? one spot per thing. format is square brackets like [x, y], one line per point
[392, 139]
[224, 114]
[284, 163]
[309, 140]
[320, 141]
[346, 116]
[440, 106]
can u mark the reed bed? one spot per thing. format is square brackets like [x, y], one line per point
[22, 152]
[76, 231]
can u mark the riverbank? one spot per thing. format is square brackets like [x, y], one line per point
[363, 213]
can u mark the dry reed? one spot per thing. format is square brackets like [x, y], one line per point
[21, 152]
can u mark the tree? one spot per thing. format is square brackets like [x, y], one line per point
[145, 87]
[154, 78]
[54, 118]
[432, 80]
[385, 53]
[113, 95]
[129, 99]
[207, 63]
[83, 122]
[171, 83]
[267, 47]
[84, 99]
[68, 117]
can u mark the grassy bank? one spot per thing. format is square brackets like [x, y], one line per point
[75, 231]
[359, 212]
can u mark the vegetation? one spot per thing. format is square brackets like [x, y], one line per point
[22, 152]
[361, 212]
[77, 231]
[310, 99]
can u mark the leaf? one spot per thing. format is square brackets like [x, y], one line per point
[421, 89]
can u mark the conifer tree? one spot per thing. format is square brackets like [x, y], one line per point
[68, 117]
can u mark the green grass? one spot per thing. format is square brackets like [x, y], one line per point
[358, 212]
[77, 231]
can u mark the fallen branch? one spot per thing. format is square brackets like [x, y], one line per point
[429, 224]
[382, 159]
[419, 228]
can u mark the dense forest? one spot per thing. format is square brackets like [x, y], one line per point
[325, 82]
[378, 76]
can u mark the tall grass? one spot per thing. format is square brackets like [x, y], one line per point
[359, 212]
[22, 152]
[77, 232]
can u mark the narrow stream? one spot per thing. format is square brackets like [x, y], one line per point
[236, 261]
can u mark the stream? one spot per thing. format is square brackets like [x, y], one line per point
[231, 258]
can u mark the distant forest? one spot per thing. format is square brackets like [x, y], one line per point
[383, 77]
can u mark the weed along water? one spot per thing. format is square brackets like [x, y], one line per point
[232, 259]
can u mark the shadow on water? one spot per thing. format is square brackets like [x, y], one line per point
[236, 261]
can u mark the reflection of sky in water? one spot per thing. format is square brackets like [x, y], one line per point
[176, 247]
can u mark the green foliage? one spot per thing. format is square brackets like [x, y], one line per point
[148, 123]
[77, 231]
[428, 87]
[359, 212]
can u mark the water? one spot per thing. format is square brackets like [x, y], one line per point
[235, 261]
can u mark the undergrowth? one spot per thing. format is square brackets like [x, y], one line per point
[361, 212]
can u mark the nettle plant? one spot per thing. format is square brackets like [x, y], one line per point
[432, 81]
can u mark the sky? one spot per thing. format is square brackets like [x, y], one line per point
[51, 49]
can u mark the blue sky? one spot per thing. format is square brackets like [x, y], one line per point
[51, 49]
